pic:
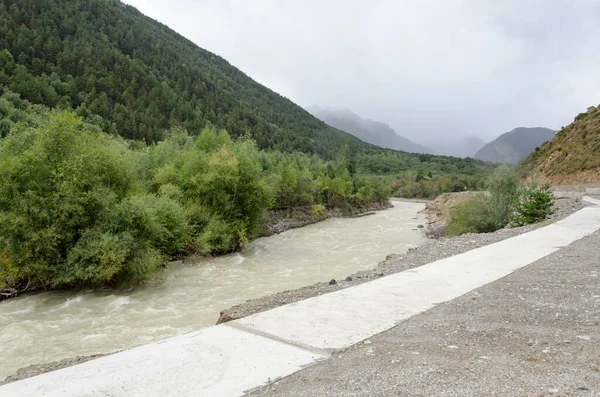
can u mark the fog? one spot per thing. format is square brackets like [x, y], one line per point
[433, 70]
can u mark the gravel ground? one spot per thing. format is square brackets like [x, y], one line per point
[430, 251]
[534, 333]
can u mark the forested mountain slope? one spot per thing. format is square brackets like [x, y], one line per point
[110, 60]
[513, 146]
[572, 156]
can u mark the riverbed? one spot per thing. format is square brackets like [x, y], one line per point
[51, 326]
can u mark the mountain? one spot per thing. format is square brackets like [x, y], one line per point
[463, 146]
[137, 77]
[513, 146]
[370, 131]
[130, 75]
[572, 156]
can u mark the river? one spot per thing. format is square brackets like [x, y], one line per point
[50, 326]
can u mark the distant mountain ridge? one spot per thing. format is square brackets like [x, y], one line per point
[370, 131]
[511, 147]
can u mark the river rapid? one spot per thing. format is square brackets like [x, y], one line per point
[50, 326]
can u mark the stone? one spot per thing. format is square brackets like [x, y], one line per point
[348, 278]
[332, 282]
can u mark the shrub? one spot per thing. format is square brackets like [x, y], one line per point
[481, 214]
[484, 214]
[535, 204]
[64, 207]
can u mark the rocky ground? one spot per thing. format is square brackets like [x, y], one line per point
[534, 333]
[33, 370]
[432, 250]
[278, 221]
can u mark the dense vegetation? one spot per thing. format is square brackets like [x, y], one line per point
[123, 144]
[78, 206]
[572, 156]
[134, 76]
[508, 202]
[107, 59]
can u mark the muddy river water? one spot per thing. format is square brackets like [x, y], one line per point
[50, 326]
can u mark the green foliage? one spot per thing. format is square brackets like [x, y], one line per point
[507, 202]
[481, 214]
[80, 207]
[535, 204]
[131, 74]
[63, 192]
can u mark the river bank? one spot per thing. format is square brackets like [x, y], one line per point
[275, 222]
[281, 220]
[41, 328]
[430, 251]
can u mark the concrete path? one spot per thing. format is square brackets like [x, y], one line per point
[231, 358]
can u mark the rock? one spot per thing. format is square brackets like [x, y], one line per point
[553, 391]
[224, 318]
[583, 337]
[452, 347]
[530, 342]
[348, 278]
[421, 226]
[332, 282]
[367, 342]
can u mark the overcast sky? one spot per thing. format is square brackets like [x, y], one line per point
[429, 68]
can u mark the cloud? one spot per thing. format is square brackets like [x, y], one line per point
[431, 69]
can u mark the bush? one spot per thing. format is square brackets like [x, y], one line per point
[481, 214]
[535, 204]
[507, 202]
[68, 209]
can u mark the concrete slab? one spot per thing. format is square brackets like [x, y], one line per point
[216, 361]
[343, 318]
[591, 200]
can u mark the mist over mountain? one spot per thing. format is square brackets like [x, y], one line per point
[514, 145]
[463, 146]
[370, 131]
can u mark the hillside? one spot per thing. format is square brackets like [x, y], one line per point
[370, 131]
[135, 77]
[513, 146]
[572, 156]
[107, 59]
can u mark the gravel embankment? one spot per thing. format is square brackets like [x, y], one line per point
[533, 333]
[430, 251]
